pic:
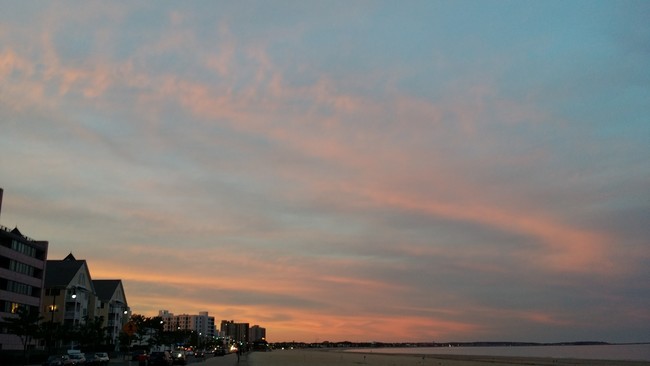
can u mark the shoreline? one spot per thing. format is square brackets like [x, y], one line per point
[320, 357]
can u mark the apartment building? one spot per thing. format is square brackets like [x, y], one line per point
[72, 297]
[22, 268]
[202, 324]
[69, 291]
[111, 305]
[236, 331]
[256, 333]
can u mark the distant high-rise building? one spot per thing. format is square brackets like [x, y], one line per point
[202, 324]
[22, 268]
[237, 331]
[256, 333]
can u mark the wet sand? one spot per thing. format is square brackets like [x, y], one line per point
[335, 357]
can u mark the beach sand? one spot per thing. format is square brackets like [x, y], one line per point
[335, 357]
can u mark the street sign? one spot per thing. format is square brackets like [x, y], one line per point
[130, 328]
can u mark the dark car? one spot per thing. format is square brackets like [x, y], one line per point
[60, 360]
[78, 359]
[92, 360]
[179, 358]
[162, 358]
[138, 355]
[220, 351]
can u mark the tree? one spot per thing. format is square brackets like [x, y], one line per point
[138, 320]
[148, 329]
[154, 328]
[24, 325]
[49, 331]
[92, 333]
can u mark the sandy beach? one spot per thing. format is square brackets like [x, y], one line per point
[334, 357]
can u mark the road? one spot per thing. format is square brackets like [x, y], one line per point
[209, 360]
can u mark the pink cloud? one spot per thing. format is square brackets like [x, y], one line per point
[564, 248]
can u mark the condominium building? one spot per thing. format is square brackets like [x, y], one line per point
[111, 305]
[72, 297]
[256, 333]
[22, 267]
[236, 331]
[202, 324]
[69, 291]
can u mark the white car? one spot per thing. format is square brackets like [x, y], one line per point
[102, 357]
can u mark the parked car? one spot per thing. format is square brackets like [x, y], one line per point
[92, 359]
[220, 351]
[179, 358]
[137, 355]
[162, 358]
[59, 360]
[97, 359]
[78, 359]
[103, 357]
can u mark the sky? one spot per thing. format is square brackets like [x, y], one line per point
[341, 170]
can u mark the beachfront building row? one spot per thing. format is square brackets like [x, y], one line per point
[72, 297]
[242, 332]
[202, 324]
[60, 291]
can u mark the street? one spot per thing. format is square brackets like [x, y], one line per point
[209, 360]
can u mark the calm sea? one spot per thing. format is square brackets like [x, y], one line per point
[627, 352]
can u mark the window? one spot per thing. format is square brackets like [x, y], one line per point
[23, 248]
[19, 288]
[14, 307]
[20, 267]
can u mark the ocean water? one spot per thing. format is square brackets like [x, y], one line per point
[620, 352]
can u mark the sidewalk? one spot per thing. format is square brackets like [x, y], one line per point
[227, 360]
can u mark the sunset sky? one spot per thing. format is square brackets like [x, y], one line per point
[341, 170]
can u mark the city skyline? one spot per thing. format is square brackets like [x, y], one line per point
[341, 171]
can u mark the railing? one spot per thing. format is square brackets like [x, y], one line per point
[4, 228]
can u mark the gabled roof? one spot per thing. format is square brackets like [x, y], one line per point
[105, 289]
[60, 273]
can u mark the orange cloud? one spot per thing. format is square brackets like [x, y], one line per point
[564, 248]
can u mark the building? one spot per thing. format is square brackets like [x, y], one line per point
[111, 305]
[69, 295]
[202, 324]
[69, 291]
[236, 331]
[256, 333]
[22, 272]
[168, 320]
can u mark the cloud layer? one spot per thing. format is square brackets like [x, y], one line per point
[434, 172]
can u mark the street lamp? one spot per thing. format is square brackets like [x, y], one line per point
[52, 308]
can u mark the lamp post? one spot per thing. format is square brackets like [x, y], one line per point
[74, 313]
[53, 308]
